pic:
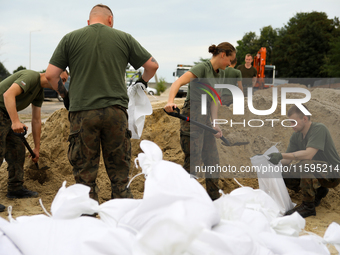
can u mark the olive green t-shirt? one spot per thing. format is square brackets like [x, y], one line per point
[247, 75]
[232, 76]
[32, 92]
[318, 137]
[97, 56]
[207, 76]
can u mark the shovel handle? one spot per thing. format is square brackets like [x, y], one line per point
[23, 139]
[185, 118]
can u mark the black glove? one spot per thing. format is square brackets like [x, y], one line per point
[66, 101]
[142, 81]
[275, 157]
[63, 90]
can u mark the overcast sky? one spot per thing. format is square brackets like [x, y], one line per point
[173, 31]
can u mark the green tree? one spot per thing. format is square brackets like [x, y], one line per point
[331, 67]
[3, 72]
[248, 45]
[161, 86]
[332, 63]
[19, 69]
[268, 37]
[202, 60]
[302, 45]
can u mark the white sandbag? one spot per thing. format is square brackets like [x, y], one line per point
[171, 197]
[7, 246]
[72, 202]
[229, 207]
[231, 241]
[171, 234]
[83, 235]
[332, 235]
[139, 106]
[258, 200]
[290, 225]
[288, 245]
[270, 180]
[242, 236]
[113, 210]
[257, 221]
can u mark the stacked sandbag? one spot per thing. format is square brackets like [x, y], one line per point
[175, 216]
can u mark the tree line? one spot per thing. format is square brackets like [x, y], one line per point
[307, 46]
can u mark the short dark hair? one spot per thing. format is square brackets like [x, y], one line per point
[295, 109]
[102, 6]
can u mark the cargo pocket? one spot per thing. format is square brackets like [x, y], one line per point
[74, 148]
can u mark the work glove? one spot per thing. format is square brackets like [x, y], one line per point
[66, 99]
[275, 157]
[140, 80]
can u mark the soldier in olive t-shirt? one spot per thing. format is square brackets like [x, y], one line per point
[199, 146]
[233, 77]
[17, 92]
[97, 56]
[249, 73]
[318, 168]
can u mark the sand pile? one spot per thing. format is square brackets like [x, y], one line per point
[164, 131]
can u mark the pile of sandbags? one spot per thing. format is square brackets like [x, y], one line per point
[175, 216]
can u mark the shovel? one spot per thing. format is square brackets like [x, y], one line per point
[205, 127]
[23, 139]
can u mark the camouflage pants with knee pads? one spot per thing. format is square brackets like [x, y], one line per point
[105, 129]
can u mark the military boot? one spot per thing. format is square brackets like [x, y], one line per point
[22, 193]
[306, 209]
[320, 194]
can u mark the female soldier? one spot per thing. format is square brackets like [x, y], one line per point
[203, 144]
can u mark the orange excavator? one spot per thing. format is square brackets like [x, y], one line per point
[265, 73]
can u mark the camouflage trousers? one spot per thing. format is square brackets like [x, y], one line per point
[13, 150]
[310, 175]
[106, 128]
[199, 146]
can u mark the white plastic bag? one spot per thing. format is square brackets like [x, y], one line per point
[72, 202]
[290, 245]
[83, 235]
[7, 246]
[290, 225]
[332, 235]
[139, 106]
[270, 180]
[174, 207]
[232, 206]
